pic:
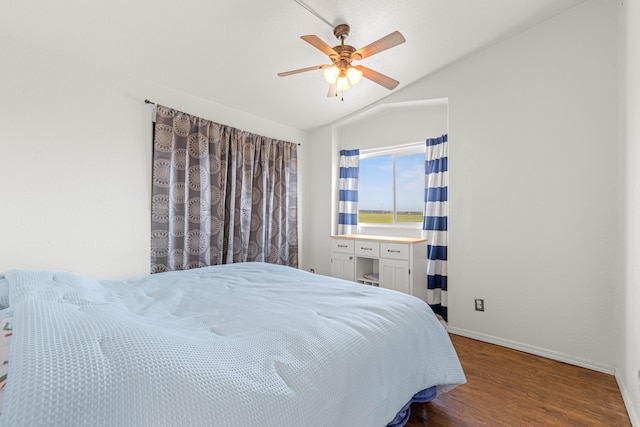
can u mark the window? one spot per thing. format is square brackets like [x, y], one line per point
[391, 186]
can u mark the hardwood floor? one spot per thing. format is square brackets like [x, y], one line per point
[510, 388]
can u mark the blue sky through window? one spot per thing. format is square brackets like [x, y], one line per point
[410, 183]
[376, 183]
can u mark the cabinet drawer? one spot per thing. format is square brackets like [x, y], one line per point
[371, 249]
[394, 250]
[342, 245]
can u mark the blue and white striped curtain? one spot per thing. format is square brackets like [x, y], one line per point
[436, 211]
[348, 207]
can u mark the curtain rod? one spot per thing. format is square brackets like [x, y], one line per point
[146, 101]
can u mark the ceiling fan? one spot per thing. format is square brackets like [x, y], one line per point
[341, 74]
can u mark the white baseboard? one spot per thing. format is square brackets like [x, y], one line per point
[538, 351]
[633, 415]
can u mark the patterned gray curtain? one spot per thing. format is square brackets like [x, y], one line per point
[220, 195]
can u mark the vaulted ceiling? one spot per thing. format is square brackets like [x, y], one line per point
[230, 51]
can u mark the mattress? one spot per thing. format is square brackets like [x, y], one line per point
[249, 344]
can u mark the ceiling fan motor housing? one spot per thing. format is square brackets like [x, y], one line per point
[341, 31]
[345, 52]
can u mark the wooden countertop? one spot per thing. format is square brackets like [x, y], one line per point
[379, 238]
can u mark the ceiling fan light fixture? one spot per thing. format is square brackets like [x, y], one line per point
[354, 75]
[331, 74]
[342, 83]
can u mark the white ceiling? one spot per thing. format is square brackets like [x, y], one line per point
[229, 52]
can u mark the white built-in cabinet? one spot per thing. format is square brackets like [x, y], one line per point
[396, 263]
[343, 260]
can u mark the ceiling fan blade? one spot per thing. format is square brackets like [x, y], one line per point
[333, 90]
[316, 42]
[303, 70]
[377, 77]
[387, 42]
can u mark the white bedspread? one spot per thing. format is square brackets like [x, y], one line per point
[247, 344]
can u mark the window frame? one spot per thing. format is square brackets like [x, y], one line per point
[394, 151]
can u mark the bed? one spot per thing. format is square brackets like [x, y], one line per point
[247, 344]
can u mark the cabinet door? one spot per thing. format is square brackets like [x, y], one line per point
[343, 266]
[394, 274]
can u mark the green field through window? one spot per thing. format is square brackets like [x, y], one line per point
[379, 217]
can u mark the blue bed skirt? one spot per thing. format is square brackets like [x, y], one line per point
[426, 395]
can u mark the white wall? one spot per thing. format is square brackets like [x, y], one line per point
[390, 124]
[75, 153]
[533, 198]
[316, 165]
[533, 126]
[629, 374]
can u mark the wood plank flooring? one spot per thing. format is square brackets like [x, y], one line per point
[507, 387]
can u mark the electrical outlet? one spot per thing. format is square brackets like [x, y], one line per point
[479, 304]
